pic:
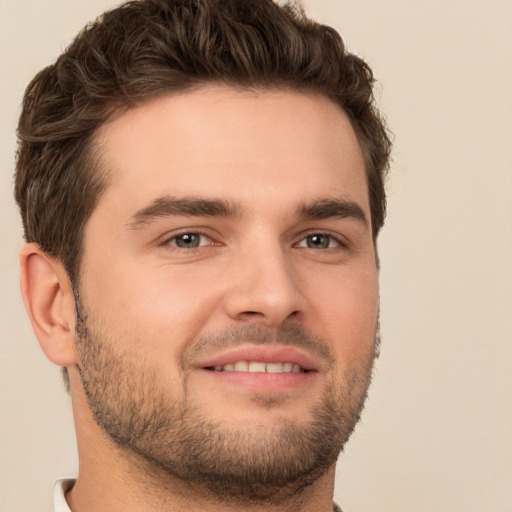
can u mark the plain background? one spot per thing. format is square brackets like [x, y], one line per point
[437, 431]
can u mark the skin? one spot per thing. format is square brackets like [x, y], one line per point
[268, 264]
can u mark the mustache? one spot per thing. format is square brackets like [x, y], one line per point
[291, 335]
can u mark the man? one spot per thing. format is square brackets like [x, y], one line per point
[201, 187]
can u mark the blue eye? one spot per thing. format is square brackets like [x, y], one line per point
[189, 240]
[319, 241]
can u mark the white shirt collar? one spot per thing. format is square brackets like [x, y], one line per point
[59, 494]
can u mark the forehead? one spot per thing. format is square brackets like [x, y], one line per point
[242, 145]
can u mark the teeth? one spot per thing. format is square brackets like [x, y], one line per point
[259, 367]
[274, 367]
[241, 366]
[256, 367]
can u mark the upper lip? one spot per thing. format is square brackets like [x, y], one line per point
[262, 353]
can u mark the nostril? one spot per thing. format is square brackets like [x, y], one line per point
[257, 314]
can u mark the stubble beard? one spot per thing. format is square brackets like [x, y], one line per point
[175, 440]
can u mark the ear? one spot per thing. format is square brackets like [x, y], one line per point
[49, 301]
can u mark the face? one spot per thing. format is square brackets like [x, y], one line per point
[228, 287]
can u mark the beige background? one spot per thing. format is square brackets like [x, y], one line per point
[437, 431]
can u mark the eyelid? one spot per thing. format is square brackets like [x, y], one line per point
[169, 237]
[340, 240]
[173, 241]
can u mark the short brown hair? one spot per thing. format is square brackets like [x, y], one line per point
[147, 48]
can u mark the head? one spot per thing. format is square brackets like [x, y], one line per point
[195, 59]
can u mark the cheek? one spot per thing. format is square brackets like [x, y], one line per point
[346, 311]
[161, 305]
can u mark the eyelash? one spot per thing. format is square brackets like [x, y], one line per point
[170, 240]
[329, 236]
[337, 239]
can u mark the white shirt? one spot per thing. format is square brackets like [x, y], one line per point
[59, 492]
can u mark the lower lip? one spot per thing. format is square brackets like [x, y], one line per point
[262, 382]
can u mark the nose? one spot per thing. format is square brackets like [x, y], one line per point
[263, 287]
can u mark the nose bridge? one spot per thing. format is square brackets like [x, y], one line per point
[263, 287]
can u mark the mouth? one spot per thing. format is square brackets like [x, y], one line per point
[261, 359]
[258, 367]
[261, 369]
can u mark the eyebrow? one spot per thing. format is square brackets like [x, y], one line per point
[187, 206]
[332, 208]
[167, 206]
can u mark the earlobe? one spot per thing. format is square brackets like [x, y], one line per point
[48, 299]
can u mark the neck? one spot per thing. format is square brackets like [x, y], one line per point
[116, 494]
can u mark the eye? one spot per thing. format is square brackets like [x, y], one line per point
[189, 240]
[319, 241]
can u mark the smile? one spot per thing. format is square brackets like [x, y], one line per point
[259, 367]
